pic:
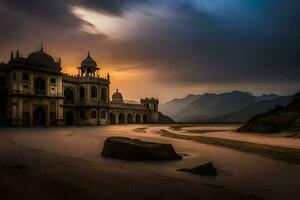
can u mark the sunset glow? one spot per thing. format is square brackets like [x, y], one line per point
[177, 46]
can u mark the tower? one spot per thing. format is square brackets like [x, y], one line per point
[88, 67]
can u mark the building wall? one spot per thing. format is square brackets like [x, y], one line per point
[24, 99]
[25, 103]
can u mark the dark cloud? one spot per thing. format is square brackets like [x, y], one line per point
[224, 41]
[115, 7]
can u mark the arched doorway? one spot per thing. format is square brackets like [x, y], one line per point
[103, 114]
[39, 117]
[3, 107]
[112, 119]
[137, 119]
[121, 118]
[145, 119]
[82, 115]
[129, 119]
[69, 119]
[69, 96]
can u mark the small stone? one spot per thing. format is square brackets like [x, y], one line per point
[207, 169]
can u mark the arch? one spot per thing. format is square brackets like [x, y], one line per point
[112, 118]
[145, 119]
[2, 81]
[103, 94]
[3, 107]
[39, 117]
[129, 118]
[40, 85]
[69, 118]
[69, 96]
[81, 92]
[121, 118]
[93, 114]
[82, 114]
[103, 114]
[25, 76]
[94, 92]
[137, 119]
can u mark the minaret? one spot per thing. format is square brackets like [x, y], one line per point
[42, 47]
[11, 55]
[17, 55]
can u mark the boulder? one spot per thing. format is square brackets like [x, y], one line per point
[137, 150]
[207, 169]
[279, 119]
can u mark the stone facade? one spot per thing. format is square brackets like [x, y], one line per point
[35, 92]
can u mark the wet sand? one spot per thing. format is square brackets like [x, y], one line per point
[228, 132]
[64, 163]
[287, 154]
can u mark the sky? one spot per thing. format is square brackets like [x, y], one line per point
[165, 48]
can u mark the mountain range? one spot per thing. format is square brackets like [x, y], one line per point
[231, 107]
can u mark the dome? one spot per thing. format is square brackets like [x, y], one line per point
[117, 97]
[89, 62]
[41, 58]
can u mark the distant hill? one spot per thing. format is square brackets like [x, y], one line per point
[164, 119]
[248, 112]
[279, 119]
[176, 105]
[232, 107]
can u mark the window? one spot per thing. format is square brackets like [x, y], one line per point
[93, 114]
[25, 76]
[82, 114]
[40, 84]
[25, 86]
[82, 92]
[26, 105]
[69, 96]
[103, 115]
[103, 94]
[94, 92]
[53, 80]
[14, 76]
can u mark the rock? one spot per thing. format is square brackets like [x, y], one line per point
[279, 119]
[295, 128]
[207, 169]
[137, 150]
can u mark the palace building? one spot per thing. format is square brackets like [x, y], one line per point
[35, 92]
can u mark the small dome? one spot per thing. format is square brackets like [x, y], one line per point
[117, 97]
[89, 62]
[41, 58]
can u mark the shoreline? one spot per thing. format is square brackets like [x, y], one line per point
[286, 154]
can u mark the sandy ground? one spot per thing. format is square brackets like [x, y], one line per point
[64, 163]
[228, 132]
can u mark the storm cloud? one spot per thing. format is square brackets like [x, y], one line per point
[182, 42]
